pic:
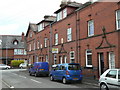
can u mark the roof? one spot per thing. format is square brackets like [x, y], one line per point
[32, 27]
[68, 4]
[8, 42]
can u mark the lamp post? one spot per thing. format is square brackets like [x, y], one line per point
[6, 54]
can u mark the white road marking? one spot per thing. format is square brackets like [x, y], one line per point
[7, 84]
[35, 81]
[22, 76]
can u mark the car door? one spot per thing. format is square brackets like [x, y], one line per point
[111, 79]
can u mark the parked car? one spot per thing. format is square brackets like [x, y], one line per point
[23, 65]
[3, 66]
[39, 68]
[66, 72]
[110, 80]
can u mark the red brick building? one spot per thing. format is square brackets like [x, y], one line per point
[83, 33]
[12, 47]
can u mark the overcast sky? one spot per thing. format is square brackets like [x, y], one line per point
[15, 15]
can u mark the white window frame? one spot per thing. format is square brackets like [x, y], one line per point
[111, 60]
[34, 46]
[40, 26]
[65, 13]
[30, 34]
[117, 20]
[69, 34]
[87, 57]
[90, 24]
[56, 39]
[38, 45]
[71, 58]
[30, 47]
[59, 16]
[45, 42]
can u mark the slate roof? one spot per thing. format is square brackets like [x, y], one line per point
[8, 42]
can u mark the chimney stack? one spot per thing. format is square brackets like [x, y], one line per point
[23, 37]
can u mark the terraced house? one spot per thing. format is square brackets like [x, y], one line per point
[83, 33]
[12, 47]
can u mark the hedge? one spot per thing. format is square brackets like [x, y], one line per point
[16, 63]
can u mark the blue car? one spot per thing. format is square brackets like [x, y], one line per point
[66, 72]
[39, 68]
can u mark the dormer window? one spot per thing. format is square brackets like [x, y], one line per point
[15, 42]
[0, 42]
[65, 13]
[40, 26]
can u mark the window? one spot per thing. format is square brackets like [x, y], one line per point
[55, 58]
[46, 58]
[112, 74]
[40, 26]
[65, 13]
[56, 39]
[34, 46]
[72, 56]
[19, 52]
[29, 47]
[118, 19]
[45, 42]
[69, 34]
[88, 58]
[38, 44]
[119, 74]
[59, 16]
[0, 42]
[90, 28]
[15, 42]
[30, 34]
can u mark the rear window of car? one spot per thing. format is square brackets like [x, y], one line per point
[73, 67]
[119, 74]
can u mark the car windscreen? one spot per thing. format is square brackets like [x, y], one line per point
[74, 67]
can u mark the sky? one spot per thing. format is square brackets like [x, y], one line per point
[15, 15]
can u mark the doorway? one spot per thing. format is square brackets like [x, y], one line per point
[101, 63]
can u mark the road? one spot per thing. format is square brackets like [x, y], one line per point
[19, 78]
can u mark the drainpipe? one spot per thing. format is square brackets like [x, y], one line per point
[50, 49]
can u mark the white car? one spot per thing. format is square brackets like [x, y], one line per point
[110, 80]
[23, 65]
[3, 66]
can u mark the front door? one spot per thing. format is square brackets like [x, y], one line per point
[101, 63]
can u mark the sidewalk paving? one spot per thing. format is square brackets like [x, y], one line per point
[90, 81]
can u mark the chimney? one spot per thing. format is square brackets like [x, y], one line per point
[23, 37]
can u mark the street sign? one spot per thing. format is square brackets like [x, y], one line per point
[54, 50]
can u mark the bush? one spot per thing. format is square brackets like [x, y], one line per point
[16, 63]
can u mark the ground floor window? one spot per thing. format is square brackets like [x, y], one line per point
[89, 58]
[72, 56]
[111, 60]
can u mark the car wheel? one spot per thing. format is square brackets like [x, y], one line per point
[7, 68]
[36, 75]
[30, 73]
[103, 87]
[64, 80]
[51, 78]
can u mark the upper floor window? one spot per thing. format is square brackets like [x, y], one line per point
[59, 16]
[29, 47]
[65, 13]
[45, 42]
[90, 28]
[34, 46]
[38, 45]
[0, 42]
[56, 39]
[30, 34]
[118, 19]
[19, 52]
[40, 26]
[69, 34]
[88, 58]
